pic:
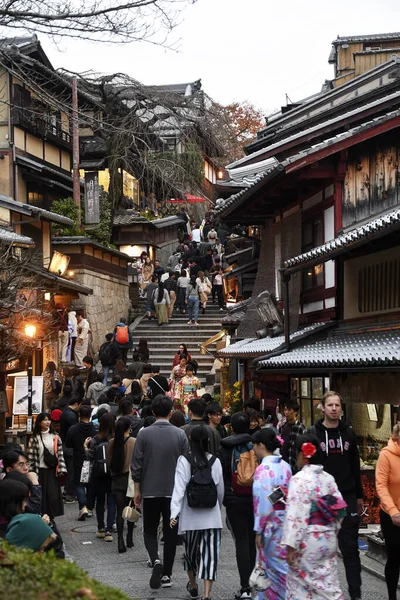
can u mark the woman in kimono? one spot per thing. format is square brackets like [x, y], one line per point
[314, 510]
[177, 374]
[147, 272]
[187, 388]
[82, 341]
[272, 476]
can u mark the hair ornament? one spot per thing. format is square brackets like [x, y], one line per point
[308, 449]
[280, 440]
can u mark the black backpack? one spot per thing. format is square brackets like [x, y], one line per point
[105, 353]
[100, 463]
[201, 490]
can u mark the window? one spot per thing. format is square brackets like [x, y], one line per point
[308, 392]
[313, 236]
[379, 286]
[35, 198]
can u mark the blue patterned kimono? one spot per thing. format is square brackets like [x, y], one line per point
[272, 472]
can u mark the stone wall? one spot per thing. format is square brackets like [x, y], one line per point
[109, 302]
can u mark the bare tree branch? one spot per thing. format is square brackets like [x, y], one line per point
[95, 20]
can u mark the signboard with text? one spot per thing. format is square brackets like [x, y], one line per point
[92, 198]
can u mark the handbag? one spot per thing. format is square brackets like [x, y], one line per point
[50, 460]
[85, 471]
[130, 513]
[259, 581]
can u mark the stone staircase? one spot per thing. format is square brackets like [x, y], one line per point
[164, 341]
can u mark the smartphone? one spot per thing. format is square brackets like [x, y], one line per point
[277, 495]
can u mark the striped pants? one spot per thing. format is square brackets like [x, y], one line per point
[201, 552]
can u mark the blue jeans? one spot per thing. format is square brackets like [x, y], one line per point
[106, 370]
[193, 307]
[101, 495]
[81, 494]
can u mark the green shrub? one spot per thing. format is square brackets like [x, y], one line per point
[25, 575]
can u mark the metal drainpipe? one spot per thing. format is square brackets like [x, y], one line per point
[286, 316]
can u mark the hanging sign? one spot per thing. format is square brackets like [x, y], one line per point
[92, 198]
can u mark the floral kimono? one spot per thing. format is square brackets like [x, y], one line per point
[268, 519]
[314, 575]
[186, 390]
[177, 374]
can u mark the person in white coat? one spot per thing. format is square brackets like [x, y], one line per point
[201, 526]
[82, 341]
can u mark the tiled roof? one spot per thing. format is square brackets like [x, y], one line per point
[128, 217]
[167, 221]
[343, 349]
[258, 347]
[32, 211]
[62, 282]
[244, 176]
[346, 241]
[367, 38]
[80, 239]
[230, 203]
[14, 239]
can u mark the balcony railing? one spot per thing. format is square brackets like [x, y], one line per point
[39, 125]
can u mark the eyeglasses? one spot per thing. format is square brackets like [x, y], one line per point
[23, 464]
[218, 415]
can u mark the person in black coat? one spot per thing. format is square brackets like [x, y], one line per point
[239, 509]
[77, 434]
[68, 418]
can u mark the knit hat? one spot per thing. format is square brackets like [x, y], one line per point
[27, 531]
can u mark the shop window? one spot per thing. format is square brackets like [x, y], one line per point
[308, 392]
[312, 237]
[35, 198]
[379, 286]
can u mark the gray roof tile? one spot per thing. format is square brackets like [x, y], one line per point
[258, 347]
[14, 239]
[342, 350]
[346, 240]
[28, 209]
[367, 38]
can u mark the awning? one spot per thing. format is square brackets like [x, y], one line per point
[189, 199]
[10, 238]
[61, 283]
[345, 349]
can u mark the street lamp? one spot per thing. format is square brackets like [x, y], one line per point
[30, 331]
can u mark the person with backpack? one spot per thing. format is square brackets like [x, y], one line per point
[196, 500]
[270, 488]
[340, 458]
[238, 500]
[193, 300]
[289, 429]
[95, 450]
[123, 338]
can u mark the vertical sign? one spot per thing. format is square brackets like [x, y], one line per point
[92, 198]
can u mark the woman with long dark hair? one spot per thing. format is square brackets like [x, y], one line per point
[161, 302]
[101, 478]
[143, 350]
[182, 283]
[181, 350]
[46, 456]
[201, 526]
[119, 454]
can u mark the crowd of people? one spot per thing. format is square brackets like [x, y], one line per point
[193, 273]
[149, 445]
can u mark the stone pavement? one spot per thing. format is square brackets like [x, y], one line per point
[129, 571]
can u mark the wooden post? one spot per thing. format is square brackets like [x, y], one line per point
[3, 412]
[75, 148]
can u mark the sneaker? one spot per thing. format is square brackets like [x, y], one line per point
[89, 513]
[83, 514]
[100, 533]
[155, 579]
[194, 592]
[166, 581]
[69, 500]
[243, 594]
[108, 536]
[221, 310]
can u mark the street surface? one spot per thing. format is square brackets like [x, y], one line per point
[129, 571]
